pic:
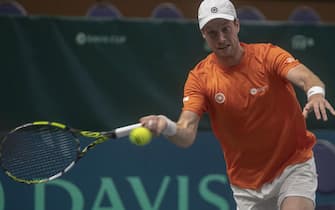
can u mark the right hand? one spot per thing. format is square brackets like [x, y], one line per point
[155, 123]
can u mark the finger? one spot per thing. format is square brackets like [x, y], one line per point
[305, 113]
[316, 109]
[323, 111]
[152, 126]
[147, 122]
[144, 120]
[161, 125]
[157, 126]
[306, 110]
[330, 108]
[150, 123]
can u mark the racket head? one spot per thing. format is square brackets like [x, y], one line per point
[38, 152]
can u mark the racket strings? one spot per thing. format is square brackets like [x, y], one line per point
[38, 152]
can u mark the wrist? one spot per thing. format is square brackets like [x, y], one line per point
[316, 90]
[171, 127]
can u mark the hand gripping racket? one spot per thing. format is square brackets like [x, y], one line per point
[41, 151]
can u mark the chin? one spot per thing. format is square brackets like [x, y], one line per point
[223, 54]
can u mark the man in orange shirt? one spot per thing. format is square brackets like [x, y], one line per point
[247, 91]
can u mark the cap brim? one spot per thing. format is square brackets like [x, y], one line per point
[204, 21]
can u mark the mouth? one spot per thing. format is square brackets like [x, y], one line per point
[223, 47]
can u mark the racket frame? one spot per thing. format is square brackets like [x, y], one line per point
[100, 137]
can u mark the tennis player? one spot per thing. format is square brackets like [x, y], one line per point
[247, 90]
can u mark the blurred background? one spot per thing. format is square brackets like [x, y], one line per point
[97, 65]
[272, 10]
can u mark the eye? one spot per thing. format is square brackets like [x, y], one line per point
[212, 34]
[225, 29]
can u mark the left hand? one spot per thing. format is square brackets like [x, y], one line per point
[319, 105]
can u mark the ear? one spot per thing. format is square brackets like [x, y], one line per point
[203, 33]
[237, 25]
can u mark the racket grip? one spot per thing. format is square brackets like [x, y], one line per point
[124, 131]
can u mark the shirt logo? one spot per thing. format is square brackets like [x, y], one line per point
[185, 99]
[254, 91]
[219, 98]
[214, 10]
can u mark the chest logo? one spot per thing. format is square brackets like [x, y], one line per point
[219, 98]
[254, 91]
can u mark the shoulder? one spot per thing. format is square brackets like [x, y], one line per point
[260, 48]
[199, 74]
[204, 65]
[263, 51]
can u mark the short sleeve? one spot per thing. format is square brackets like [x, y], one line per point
[194, 98]
[280, 61]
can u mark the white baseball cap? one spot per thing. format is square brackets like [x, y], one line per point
[212, 9]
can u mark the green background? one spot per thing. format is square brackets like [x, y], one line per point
[101, 74]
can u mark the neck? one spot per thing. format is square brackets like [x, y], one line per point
[229, 61]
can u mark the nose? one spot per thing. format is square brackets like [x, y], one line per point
[221, 37]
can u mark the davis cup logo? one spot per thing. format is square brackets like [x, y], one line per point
[219, 98]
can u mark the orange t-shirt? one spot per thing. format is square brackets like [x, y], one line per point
[254, 113]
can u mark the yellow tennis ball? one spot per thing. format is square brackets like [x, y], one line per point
[140, 136]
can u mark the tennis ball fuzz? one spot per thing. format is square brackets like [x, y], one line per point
[140, 136]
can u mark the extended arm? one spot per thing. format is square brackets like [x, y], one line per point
[304, 78]
[184, 132]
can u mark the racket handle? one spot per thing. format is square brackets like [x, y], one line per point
[124, 131]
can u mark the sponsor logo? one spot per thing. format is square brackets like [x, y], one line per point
[83, 39]
[107, 193]
[219, 98]
[254, 91]
[302, 42]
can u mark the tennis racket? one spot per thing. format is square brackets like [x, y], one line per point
[41, 151]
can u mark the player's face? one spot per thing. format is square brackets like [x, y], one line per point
[222, 37]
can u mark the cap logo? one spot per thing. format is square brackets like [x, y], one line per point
[214, 9]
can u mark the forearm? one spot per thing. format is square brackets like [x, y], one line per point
[314, 89]
[311, 81]
[185, 134]
[304, 78]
